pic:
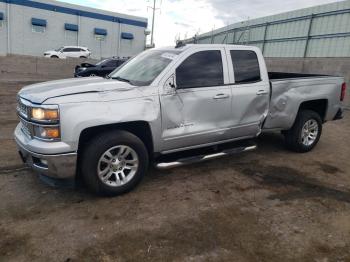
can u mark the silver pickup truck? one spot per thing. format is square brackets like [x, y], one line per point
[165, 101]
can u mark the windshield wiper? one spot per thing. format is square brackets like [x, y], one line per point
[121, 79]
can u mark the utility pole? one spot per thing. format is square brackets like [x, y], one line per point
[154, 13]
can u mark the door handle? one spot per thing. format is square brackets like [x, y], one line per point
[221, 96]
[262, 92]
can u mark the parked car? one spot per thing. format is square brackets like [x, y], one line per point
[102, 68]
[165, 101]
[69, 51]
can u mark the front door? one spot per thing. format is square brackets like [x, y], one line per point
[198, 111]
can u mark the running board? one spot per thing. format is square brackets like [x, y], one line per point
[201, 158]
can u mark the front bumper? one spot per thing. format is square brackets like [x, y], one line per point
[58, 166]
[61, 166]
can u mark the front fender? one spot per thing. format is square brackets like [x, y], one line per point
[75, 117]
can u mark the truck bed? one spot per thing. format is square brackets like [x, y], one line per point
[290, 90]
[285, 75]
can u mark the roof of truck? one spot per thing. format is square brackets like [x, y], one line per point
[188, 46]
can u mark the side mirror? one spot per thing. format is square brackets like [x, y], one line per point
[170, 84]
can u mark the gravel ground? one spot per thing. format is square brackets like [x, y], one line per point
[266, 205]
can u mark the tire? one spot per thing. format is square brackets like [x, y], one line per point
[94, 157]
[294, 136]
[54, 56]
[92, 75]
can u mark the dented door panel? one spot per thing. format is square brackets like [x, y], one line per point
[195, 116]
[250, 103]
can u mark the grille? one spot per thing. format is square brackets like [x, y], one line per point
[22, 109]
[26, 127]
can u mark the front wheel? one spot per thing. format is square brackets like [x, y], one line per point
[305, 133]
[113, 163]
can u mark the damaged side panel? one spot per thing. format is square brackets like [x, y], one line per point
[288, 95]
[92, 114]
[249, 110]
[193, 116]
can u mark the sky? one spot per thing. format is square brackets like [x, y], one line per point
[184, 18]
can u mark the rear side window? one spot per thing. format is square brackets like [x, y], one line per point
[201, 69]
[111, 63]
[245, 66]
[68, 49]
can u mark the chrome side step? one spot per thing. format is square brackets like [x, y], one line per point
[201, 158]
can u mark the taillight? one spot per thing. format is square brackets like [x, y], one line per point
[342, 94]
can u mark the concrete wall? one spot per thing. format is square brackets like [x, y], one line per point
[25, 42]
[37, 68]
[327, 66]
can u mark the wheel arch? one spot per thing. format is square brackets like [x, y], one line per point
[141, 129]
[319, 106]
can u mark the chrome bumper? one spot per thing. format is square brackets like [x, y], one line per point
[61, 166]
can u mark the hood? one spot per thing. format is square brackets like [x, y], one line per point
[38, 93]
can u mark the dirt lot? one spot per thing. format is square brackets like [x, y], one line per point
[266, 205]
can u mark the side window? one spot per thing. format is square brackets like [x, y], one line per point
[67, 50]
[111, 63]
[201, 69]
[245, 66]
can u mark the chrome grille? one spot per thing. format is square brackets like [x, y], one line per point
[22, 108]
[26, 128]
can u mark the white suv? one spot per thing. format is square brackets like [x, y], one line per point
[69, 51]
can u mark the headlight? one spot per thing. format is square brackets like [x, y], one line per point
[47, 132]
[45, 114]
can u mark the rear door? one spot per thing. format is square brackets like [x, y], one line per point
[69, 52]
[199, 111]
[73, 52]
[250, 91]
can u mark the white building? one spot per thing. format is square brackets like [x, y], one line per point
[32, 27]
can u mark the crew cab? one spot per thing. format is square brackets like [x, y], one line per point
[163, 105]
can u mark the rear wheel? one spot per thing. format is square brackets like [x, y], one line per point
[305, 133]
[114, 163]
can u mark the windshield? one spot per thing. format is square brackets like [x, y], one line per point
[59, 49]
[144, 68]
